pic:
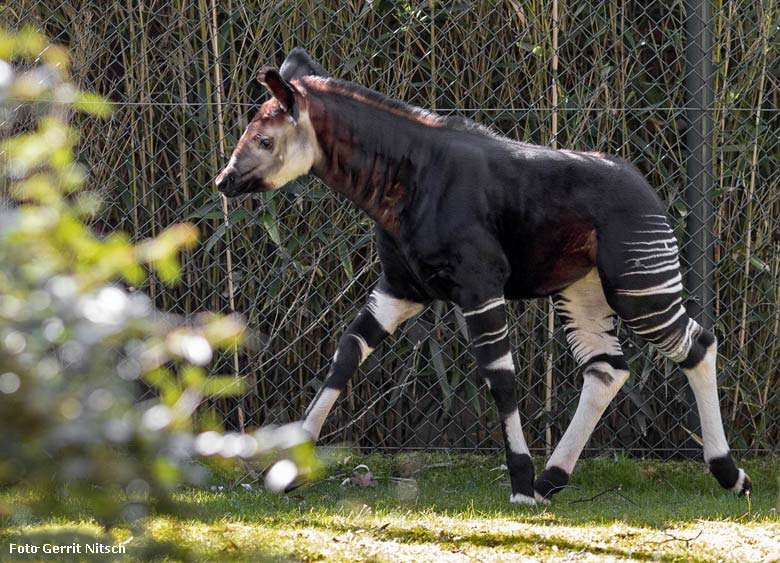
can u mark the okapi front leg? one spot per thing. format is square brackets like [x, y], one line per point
[378, 319]
[489, 336]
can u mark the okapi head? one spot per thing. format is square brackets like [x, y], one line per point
[279, 144]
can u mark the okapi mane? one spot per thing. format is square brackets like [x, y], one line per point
[396, 107]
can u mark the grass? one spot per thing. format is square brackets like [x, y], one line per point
[427, 507]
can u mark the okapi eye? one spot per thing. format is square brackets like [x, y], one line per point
[264, 141]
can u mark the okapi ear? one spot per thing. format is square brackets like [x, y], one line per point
[281, 90]
[298, 64]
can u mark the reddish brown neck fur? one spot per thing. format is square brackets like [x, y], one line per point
[361, 158]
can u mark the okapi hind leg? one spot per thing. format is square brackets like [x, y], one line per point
[589, 326]
[700, 368]
[640, 271]
[379, 318]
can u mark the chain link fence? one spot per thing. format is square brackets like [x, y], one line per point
[689, 92]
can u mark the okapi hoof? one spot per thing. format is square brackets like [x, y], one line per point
[743, 486]
[282, 477]
[729, 476]
[551, 481]
[520, 498]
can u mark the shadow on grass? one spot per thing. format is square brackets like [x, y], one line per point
[652, 494]
[524, 541]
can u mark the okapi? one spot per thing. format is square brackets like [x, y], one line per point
[465, 215]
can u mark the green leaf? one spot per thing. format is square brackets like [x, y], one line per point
[346, 260]
[441, 373]
[223, 386]
[269, 223]
[93, 104]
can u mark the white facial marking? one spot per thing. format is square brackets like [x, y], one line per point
[389, 311]
[300, 153]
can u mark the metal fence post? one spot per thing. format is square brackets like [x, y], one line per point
[698, 250]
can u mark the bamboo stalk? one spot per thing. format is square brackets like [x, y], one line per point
[183, 160]
[129, 89]
[751, 190]
[221, 144]
[722, 126]
[550, 309]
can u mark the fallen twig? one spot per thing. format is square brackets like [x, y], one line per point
[672, 538]
[432, 466]
[615, 490]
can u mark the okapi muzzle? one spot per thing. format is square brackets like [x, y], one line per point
[278, 146]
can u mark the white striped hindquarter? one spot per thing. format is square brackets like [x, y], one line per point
[588, 320]
[649, 289]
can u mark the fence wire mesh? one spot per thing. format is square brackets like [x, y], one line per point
[613, 76]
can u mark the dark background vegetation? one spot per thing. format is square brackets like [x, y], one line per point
[298, 263]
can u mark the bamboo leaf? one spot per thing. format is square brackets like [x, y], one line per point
[441, 374]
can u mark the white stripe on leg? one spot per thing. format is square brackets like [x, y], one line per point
[319, 410]
[390, 311]
[517, 445]
[365, 349]
[514, 433]
[703, 380]
[594, 399]
[503, 363]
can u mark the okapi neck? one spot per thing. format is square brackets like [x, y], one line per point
[371, 164]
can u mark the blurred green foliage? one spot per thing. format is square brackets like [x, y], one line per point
[78, 344]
